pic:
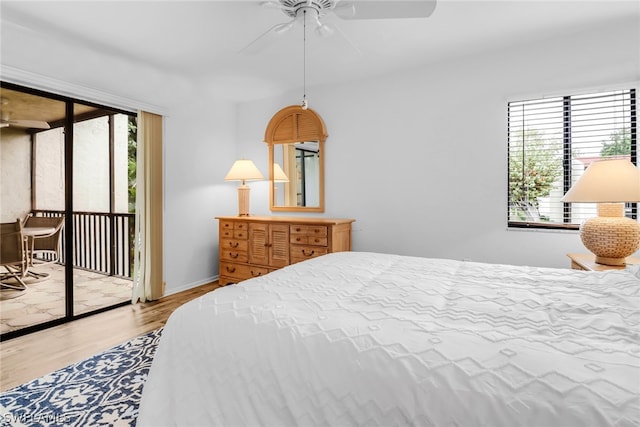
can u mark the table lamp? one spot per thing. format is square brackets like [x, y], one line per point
[610, 236]
[243, 170]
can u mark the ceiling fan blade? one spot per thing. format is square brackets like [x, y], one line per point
[384, 9]
[336, 30]
[33, 124]
[271, 4]
[265, 38]
[275, 4]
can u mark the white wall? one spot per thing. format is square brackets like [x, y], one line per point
[199, 150]
[419, 158]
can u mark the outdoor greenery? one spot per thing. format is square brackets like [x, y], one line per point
[619, 144]
[131, 170]
[533, 180]
[543, 167]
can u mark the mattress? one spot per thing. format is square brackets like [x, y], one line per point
[356, 338]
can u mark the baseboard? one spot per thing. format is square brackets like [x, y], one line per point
[191, 285]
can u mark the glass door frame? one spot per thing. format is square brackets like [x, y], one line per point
[69, 121]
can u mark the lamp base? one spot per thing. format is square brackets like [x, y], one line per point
[243, 200]
[611, 236]
[611, 261]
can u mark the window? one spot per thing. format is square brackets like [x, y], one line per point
[551, 141]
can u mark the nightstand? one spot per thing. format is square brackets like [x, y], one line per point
[588, 262]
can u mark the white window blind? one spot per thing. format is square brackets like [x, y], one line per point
[551, 141]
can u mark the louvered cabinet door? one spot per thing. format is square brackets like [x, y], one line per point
[279, 245]
[269, 244]
[258, 243]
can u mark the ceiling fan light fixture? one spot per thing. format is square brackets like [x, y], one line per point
[283, 28]
[345, 10]
[292, 8]
[323, 30]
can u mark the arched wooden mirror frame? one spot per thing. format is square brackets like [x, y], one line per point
[293, 124]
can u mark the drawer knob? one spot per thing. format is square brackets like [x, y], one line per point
[304, 252]
[254, 274]
[231, 270]
[234, 255]
[234, 244]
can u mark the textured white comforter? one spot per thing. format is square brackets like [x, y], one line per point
[372, 339]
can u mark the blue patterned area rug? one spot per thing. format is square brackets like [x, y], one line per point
[102, 390]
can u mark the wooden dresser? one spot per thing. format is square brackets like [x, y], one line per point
[255, 245]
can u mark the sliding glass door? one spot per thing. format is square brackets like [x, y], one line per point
[70, 169]
[29, 147]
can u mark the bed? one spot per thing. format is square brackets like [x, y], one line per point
[355, 338]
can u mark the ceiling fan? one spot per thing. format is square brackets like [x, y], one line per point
[6, 121]
[343, 9]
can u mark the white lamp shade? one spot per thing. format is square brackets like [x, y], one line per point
[243, 170]
[607, 181]
[278, 174]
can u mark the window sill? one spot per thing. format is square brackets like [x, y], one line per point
[562, 230]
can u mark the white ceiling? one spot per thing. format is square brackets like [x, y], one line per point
[201, 39]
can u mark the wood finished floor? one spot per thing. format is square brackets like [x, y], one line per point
[25, 358]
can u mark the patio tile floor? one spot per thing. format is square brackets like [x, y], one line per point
[44, 299]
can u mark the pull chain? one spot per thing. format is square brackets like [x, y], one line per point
[304, 61]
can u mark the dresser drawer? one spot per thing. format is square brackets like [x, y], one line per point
[300, 252]
[241, 271]
[234, 244]
[226, 233]
[309, 230]
[240, 234]
[300, 239]
[226, 225]
[234, 255]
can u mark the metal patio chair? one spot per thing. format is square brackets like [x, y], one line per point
[13, 256]
[45, 248]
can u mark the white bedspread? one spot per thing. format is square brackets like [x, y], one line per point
[372, 339]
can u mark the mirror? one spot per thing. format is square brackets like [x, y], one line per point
[296, 158]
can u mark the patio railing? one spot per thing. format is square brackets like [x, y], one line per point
[103, 242]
